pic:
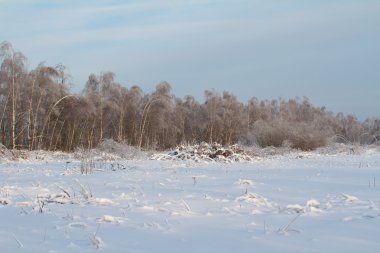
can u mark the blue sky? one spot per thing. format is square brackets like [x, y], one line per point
[326, 50]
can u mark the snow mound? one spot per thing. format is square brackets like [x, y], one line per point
[313, 203]
[349, 198]
[295, 208]
[245, 182]
[206, 152]
[102, 201]
[110, 219]
[312, 207]
[255, 199]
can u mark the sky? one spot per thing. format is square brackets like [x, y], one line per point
[326, 50]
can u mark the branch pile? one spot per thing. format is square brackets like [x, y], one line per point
[205, 152]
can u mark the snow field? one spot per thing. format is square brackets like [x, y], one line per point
[298, 202]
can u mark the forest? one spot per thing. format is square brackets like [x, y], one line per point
[38, 111]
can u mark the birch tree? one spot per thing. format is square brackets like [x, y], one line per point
[12, 72]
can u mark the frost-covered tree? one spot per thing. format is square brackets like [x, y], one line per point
[37, 111]
[12, 74]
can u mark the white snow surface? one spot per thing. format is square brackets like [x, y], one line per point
[295, 202]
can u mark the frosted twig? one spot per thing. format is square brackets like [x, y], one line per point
[45, 233]
[96, 239]
[186, 205]
[18, 241]
[62, 189]
[85, 193]
[286, 228]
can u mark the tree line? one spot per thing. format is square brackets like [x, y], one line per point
[37, 111]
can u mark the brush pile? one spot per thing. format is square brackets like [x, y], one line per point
[206, 152]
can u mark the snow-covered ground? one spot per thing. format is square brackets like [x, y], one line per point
[296, 202]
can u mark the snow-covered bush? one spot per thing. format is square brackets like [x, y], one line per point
[5, 153]
[295, 135]
[109, 150]
[119, 149]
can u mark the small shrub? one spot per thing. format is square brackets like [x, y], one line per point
[295, 135]
[269, 134]
[122, 150]
[308, 139]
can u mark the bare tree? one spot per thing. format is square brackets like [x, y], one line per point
[233, 119]
[39, 88]
[161, 99]
[38, 111]
[12, 72]
[213, 106]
